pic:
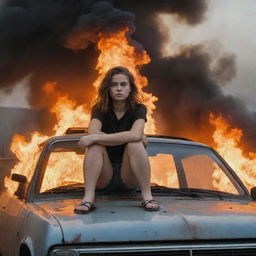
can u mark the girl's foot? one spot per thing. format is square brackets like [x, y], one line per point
[84, 208]
[150, 205]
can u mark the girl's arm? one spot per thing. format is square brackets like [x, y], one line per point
[113, 139]
[95, 126]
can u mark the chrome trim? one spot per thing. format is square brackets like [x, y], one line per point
[145, 248]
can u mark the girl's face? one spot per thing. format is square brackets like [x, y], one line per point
[120, 87]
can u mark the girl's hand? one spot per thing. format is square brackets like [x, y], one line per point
[86, 141]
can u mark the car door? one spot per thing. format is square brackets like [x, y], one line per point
[10, 218]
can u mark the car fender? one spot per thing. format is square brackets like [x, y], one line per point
[39, 231]
[28, 242]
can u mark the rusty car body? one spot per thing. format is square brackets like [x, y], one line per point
[197, 215]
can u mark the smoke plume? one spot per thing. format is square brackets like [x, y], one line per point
[55, 41]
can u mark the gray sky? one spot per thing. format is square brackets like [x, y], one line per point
[16, 95]
[228, 27]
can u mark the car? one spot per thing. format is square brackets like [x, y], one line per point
[204, 207]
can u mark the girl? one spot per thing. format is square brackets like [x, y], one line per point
[116, 157]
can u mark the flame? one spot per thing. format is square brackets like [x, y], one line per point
[60, 168]
[164, 171]
[227, 140]
[115, 50]
[50, 87]
[69, 115]
[27, 154]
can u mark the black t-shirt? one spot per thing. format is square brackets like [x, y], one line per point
[110, 124]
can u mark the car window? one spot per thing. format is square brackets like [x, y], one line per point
[63, 168]
[163, 170]
[202, 172]
[188, 166]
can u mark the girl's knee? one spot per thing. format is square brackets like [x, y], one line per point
[96, 148]
[134, 146]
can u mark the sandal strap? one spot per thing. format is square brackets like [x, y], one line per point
[87, 204]
[146, 202]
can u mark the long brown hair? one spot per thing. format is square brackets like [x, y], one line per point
[103, 101]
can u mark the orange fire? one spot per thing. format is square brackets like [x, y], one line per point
[227, 139]
[69, 115]
[115, 50]
[50, 87]
[27, 154]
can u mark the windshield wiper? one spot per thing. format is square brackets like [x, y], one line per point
[206, 192]
[162, 190]
[77, 187]
[190, 192]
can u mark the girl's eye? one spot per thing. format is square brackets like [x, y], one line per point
[113, 84]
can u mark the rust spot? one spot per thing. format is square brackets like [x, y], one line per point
[77, 238]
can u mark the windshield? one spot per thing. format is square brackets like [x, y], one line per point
[173, 166]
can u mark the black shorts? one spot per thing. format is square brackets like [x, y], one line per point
[116, 184]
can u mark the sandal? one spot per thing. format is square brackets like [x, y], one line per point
[89, 205]
[151, 209]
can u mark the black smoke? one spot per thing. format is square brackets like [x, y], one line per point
[54, 40]
[187, 85]
[188, 91]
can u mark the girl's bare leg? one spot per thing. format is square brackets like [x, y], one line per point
[97, 172]
[136, 169]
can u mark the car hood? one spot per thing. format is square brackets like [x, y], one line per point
[177, 219]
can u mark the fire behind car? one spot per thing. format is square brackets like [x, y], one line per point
[204, 207]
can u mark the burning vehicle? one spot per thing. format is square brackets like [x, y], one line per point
[205, 209]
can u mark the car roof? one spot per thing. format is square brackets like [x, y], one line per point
[151, 138]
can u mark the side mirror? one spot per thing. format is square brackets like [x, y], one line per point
[19, 178]
[22, 188]
[253, 193]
